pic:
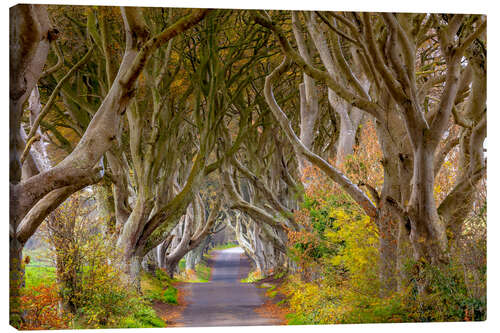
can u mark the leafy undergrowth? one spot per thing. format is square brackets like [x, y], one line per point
[40, 304]
[142, 315]
[130, 310]
[337, 281]
[108, 308]
[145, 317]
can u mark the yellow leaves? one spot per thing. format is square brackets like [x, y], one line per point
[358, 236]
[349, 269]
[319, 302]
[347, 241]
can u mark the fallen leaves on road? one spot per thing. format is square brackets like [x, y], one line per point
[272, 310]
[274, 306]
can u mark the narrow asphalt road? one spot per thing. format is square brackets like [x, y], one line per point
[224, 301]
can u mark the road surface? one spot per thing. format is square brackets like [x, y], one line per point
[224, 301]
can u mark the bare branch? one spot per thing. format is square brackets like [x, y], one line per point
[337, 176]
[53, 95]
[59, 63]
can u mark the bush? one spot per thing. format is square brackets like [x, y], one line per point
[90, 284]
[162, 276]
[40, 304]
[447, 297]
[342, 253]
[344, 275]
[297, 319]
[157, 287]
[105, 308]
[381, 310]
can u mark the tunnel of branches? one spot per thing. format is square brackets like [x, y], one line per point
[178, 129]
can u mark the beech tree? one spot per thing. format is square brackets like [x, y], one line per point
[33, 198]
[194, 227]
[257, 183]
[398, 100]
[152, 107]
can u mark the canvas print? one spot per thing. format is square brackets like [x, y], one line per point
[226, 167]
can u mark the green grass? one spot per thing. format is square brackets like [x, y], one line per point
[36, 276]
[142, 316]
[40, 270]
[168, 295]
[145, 319]
[38, 257]
[158, 287]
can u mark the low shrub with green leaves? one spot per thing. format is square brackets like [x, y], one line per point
[449, 296]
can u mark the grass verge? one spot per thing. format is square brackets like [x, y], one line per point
[253, 276]
[40, 297]
[201, 275]
[158, 287]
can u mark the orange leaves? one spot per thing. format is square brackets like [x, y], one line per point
[365, 164]
[191, 274]
[41, 306]
[271, 310]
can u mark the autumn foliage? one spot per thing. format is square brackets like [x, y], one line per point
[41, 304]
[345, 150]
[338, 252]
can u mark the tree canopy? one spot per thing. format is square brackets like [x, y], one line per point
[345, 148]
